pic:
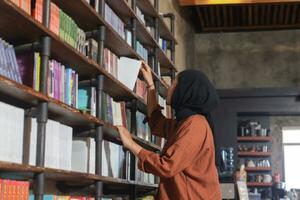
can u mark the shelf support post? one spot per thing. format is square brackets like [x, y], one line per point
[133, 27]
[99, 129]
[42, 108]
[133, 160]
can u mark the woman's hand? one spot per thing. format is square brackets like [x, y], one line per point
[128, 141]
[125, 137]
[146, 71]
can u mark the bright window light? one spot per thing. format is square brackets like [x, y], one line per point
[291, 147]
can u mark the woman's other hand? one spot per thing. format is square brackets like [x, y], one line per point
[146, 71]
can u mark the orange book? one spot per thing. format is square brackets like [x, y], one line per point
[54, 18]
[1, 187]
[37, 12]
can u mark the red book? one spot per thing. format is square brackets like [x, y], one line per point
[54, 18]
[77, 198]
[37, 11]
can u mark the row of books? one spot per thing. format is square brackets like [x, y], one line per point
[164, 46]
[63, 83]
[14, 190]
[60, 197]
[140, 15]
[8, 62]
[143, 52]
[84, 154]
[23, 4]
[114, 20]
[58, 148]
[145, 177]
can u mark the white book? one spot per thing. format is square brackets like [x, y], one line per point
[92, 156]
[69, 132]
[80, 155]
[65, 147]
[114, 159]
[33, 142]
[105, 157]
[128, 70]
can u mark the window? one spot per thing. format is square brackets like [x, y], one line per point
[291, 148]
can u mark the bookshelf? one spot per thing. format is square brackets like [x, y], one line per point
[27, 34]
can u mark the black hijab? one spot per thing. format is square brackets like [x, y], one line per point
[194, 94]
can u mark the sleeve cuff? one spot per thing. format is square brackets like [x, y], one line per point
[142, 157]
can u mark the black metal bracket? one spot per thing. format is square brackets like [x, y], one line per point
[35, 46]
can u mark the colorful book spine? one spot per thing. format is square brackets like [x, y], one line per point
[13, 190]
[37, 11]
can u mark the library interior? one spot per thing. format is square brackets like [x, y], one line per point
[149, 100]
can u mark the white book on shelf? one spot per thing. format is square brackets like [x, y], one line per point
[4, 115]
[65, 147]
[105, 158]
[92, 156]
[33, 142]
[79, 155]
[128, 70]
[114, 159]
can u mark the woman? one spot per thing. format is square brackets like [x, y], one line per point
[186, 167]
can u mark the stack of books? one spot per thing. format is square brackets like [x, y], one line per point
[143, 52]
[58, 148]
[63, 83]
[29, 67]
[11, 189]
[164, 46]
[141, 89]
[112, 18]
[8, 62]
[24, 4]
[143, 130]
[12, 126]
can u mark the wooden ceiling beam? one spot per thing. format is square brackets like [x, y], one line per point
[218, 2]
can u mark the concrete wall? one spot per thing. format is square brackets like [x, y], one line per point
[184, 33]
[250, 59]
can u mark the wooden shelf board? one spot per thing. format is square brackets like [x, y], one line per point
[111, 134]
[254, 154]
[65, 175]
[164, 31]
[254, 184]
[147, 7]
[71, 116]
[24, 95]
[258, 169]
[254, 139]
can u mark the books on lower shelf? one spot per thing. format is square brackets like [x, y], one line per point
[12, 189]
[60, 197]
[12, 125]
[84, 155]
[145, 177]
[8, 62]
[63, 83]
[113, 160]
[58, 147]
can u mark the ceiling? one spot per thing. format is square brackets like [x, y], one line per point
[243, 15]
